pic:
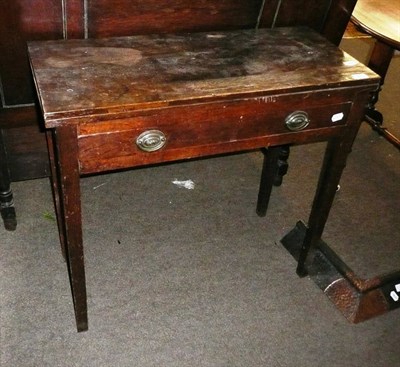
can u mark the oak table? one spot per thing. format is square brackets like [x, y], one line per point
[380, 19]
[116, 103]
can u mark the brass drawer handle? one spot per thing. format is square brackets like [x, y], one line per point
[151, 140]
[297, 120]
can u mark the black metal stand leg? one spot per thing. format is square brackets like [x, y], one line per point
[6, 196]
[268, 175]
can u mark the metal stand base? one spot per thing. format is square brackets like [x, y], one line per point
[357, 299]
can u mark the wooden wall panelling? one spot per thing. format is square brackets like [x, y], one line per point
[127, 17]
[269, 13]
[27, 156]
[311, 13]
[23, 143]
[329, 17]
[337, 19]
[74, 18]
[21, 21]
[284, 13]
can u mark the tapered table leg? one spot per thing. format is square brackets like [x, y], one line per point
[268, 175]
[56, 189]
[66, 180]
[334, 163]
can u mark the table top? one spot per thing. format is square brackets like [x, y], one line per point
[80, 78]
[379, 18]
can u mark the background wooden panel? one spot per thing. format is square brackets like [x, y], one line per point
[127, 17]
[74, 17]
[310, 13]
[325, 16]
[26, 157]
[269, 13]
[337, 19]
[22, 20]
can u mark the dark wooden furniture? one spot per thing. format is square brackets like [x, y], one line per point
[132, 101]
[359, 298]
[380, 19]
[23, 151]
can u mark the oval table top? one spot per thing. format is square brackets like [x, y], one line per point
[380, 18]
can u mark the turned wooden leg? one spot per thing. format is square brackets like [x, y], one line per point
[67, 183]
[282, 165]
[6, 195]
[379, 62]
[7, 208]
[268, 175]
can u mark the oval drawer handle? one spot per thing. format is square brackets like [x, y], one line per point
[297, 120]
[151, 140]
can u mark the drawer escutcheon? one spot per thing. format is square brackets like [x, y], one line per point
[151, 140]
[297, 120]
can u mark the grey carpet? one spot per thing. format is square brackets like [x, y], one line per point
[181, 277]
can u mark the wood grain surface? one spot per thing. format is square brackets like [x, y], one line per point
[379, 18]
[79, 78]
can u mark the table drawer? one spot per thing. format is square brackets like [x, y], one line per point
[204, 129]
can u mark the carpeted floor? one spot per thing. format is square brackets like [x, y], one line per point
[180, 277]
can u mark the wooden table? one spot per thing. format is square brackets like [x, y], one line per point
[124, 102]
[380, 19]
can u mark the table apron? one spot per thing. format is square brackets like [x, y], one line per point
[208, 129]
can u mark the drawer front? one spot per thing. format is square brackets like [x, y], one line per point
[204, 129]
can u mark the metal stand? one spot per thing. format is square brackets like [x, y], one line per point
[358, 299]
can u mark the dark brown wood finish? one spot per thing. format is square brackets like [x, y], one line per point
[270, 165]
[214, 128]
[204, 94]
[55, 185]
[379, 19]
[336, 20]
[309, 13]
[68, 209]
[25, 20]
[382, 21]
[333, 166]
[127, 17]
[6, 198]
[116, 76]
[16, 26]
[327, 17]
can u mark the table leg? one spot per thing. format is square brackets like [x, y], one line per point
[282, 165]
[268, 174]
[332, 168]
[334, 163]
[56, 189]
[66, 178]
[6, 195]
